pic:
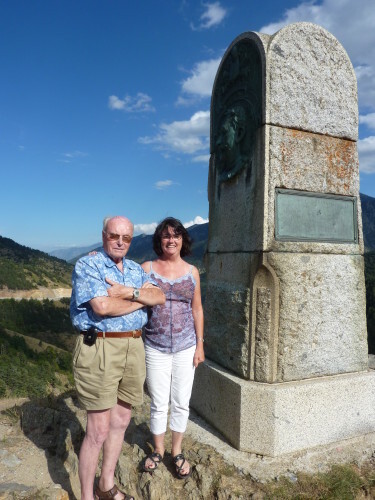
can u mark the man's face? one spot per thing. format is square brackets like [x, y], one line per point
[117, 238]
[226, 137]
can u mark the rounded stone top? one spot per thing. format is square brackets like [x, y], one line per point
[310, 82]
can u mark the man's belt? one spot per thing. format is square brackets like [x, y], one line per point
[135, 334]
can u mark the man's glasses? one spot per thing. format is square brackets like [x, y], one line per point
[167, 237]
[115, 237]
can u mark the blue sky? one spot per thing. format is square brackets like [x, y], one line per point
[104, 106]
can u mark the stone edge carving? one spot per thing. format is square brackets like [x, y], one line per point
[264, 324]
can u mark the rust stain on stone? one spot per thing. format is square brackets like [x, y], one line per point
[288, 149]
[340, 160]
[285, 157]
[332, 161]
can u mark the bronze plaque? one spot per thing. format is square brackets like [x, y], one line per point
[306, 216]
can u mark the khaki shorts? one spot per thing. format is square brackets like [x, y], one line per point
[110, 369]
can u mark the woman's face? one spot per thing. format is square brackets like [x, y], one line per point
[171, 243]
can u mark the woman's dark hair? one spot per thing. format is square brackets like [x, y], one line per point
[177, 228]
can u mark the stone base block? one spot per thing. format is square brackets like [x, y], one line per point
[274, 419]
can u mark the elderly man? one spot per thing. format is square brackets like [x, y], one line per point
[108, 359]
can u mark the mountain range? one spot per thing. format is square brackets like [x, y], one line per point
[22, 268]
[141, 247]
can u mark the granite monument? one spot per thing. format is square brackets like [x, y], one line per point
[285, 314]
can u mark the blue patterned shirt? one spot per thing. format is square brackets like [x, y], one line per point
[88, 282]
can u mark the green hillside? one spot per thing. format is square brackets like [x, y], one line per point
[46, 320]
[30, 372]
[22, 268]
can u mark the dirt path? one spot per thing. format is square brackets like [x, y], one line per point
[10, 402]
[40, 294]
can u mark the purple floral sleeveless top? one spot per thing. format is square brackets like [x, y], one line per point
[170, 326]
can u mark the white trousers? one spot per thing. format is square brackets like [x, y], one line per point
[169, 378]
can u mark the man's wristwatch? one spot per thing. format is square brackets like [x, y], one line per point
[136, 293]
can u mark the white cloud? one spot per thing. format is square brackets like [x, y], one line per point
[353, 27]
[366, 85]
[75, 154]
[368, 120]
[150, 228]
[192, 136]
[188, 136]
[185, 101]
[201, 159]
[70, 157]
[145, 228]
[163, 184]
[201, 80]
[213, 15]
[306, 11]
[197, 220]
[366, 152]
[141, 103]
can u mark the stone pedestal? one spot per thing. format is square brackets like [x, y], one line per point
[274, 419]
[285, 296]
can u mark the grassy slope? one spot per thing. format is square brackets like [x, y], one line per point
[22, 268]
[45, 320]
[35, 344]
[26, 372]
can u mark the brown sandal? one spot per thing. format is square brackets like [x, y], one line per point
[110, 494]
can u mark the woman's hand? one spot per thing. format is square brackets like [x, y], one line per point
[147, 285]
[124, 292]
[119, 291]
[199, 354]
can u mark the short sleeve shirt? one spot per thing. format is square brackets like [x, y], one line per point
[88, 282]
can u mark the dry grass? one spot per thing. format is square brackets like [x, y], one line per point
[342, 482]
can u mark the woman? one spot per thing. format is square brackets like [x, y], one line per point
[173, 341]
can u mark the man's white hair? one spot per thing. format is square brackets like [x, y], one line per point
[105, 221]
[110, 217]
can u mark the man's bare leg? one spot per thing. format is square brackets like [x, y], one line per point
[119, 420]
[96, 434]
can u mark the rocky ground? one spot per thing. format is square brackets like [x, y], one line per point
[29, 466]
[39, 442]
[38, 457]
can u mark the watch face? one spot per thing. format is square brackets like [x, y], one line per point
[136, 293]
